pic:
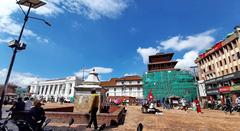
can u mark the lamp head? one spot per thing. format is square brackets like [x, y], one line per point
[31, 3]
[13, 43]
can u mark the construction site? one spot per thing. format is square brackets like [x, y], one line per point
[167, 82]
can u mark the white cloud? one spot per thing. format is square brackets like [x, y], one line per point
[146, 52]
[194, 43]
[179, 43]
[93, 9]
[5, 40]
[100, 70]
[188, 60]
[130, 74]
[18, 78]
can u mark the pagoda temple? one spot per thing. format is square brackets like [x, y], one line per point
[161, 61]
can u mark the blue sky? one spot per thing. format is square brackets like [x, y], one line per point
[114, 36]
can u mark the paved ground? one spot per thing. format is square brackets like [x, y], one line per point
[173, 120]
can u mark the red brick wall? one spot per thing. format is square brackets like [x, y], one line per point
[83, 118]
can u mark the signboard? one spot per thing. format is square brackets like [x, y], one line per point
[224, 78]
[212, 92]
[235, 88]
[225, 89]
[214, 48]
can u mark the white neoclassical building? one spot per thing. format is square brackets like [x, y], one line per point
[55, 88]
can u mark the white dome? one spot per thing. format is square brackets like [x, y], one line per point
[92, 77]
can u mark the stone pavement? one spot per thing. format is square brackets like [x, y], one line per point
[175, 120]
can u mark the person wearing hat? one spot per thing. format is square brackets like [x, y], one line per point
[37, 113]
[93, 110]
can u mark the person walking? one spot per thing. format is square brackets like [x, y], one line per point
[28, 104]
[198, 107]
[93, 110]
[184, 104]
[229, 105]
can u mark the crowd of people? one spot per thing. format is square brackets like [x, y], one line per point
[227, 106]
[180, 103]
[35, 114]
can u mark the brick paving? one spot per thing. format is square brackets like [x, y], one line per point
[174, 120]
[171, 120]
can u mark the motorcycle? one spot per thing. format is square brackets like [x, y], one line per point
[23, 125]
[236, 108]
[3, 125]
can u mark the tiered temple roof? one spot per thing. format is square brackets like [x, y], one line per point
[161, 61]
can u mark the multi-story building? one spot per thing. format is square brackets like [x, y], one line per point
[165, 81]
[55, 88]
[219, 68]
[130, 86]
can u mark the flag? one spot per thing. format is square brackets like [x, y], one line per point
[150, 96]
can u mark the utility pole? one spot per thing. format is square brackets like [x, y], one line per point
[196, 83]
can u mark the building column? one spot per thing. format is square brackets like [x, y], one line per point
[30, 90]
[44, 89]
[40, 90]
[66, 93]
[53, 89]
[62, 91]
[48, 90]
[72, 89]
[56, 92]
[36, 89]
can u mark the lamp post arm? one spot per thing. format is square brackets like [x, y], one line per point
[25, 21]
[11, 63]
[47, 23]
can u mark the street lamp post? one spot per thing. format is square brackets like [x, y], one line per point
[195, 78]
[16, 45]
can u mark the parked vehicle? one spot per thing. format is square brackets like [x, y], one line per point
[23, 125]
[3, 125]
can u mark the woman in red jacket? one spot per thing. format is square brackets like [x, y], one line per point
[198, 105]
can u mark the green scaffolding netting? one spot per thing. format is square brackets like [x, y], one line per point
[169, 83]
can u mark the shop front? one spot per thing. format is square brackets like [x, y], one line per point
[212, 97]
[235, 90]
[229, 91]
[225, 92]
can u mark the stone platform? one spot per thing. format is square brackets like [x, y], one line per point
[62, 114]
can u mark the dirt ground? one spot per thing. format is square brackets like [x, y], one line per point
[178, 120]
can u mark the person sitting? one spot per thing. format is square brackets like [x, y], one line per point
[37, 114]
[17, 106]
[151, 108]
